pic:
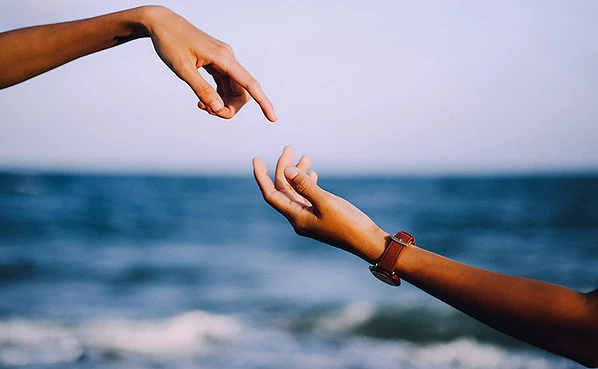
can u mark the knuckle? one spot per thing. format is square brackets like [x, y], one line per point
[205, 90]
[301, 184]
[223, 50]
[254, 85]
[268, 198]
[227, 47]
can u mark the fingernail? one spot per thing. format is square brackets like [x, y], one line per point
[291, 172]
[216, 106]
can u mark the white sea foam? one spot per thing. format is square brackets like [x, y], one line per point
[468, 353]
[183, 335]
[347, 318]
[35, 341]
[199, 335]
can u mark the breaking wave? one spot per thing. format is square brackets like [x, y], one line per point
[214, 340]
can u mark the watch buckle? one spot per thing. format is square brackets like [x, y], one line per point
[400, 241]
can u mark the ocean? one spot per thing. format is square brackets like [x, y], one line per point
[119, 271]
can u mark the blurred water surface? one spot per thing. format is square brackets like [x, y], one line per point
[186, 272]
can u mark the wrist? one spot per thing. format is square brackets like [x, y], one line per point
[144, 19]
[385, 268]
[378, 241]
[149, 18]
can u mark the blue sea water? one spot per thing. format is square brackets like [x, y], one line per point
[100, 271]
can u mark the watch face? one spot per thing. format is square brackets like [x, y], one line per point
[384, 277]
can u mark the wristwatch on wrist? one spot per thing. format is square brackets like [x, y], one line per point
[384, 269]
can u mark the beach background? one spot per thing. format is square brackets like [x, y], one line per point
[132, 234]
[198, 272]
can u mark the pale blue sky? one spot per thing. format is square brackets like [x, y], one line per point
[379, 86]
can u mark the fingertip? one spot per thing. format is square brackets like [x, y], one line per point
[260, 172]
[288, 150]
[257, 163]
[225, 114]
[272, 116]
[216, 105]
[205, 107]
[269, 112]
[209, 100]
[304, 163]
[305, 159]
[252, 86]
[291, 172]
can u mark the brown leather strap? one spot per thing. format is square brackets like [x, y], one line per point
[389, 258]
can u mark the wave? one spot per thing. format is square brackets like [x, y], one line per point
[467, 353]
[212, 340]
[25, 342]
[415, 324]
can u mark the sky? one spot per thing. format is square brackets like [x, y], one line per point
[376, 87]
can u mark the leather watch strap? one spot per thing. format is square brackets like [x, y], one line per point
[393, 251]
[390, 256]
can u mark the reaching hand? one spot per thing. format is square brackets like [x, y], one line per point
[526, 309]
[34, 50]
[185, 49]
[316, 213]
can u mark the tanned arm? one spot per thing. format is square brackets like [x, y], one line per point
[31, 51]
[549, 316]
[27, 52]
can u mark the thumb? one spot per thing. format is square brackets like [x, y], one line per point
[203, 90]
[303, 184]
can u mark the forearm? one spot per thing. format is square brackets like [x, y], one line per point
[31, 51]
[546, 315]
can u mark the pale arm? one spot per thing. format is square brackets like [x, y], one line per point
[552, 317]
[31, 51]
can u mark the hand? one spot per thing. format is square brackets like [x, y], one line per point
[316, 213]
[184, 49]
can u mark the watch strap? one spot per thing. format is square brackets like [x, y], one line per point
[391, 255]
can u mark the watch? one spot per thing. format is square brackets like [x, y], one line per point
[384, 269]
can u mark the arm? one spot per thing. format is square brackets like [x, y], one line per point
[552, 317]
[31, 51]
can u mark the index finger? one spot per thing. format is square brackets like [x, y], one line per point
[240, 75]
